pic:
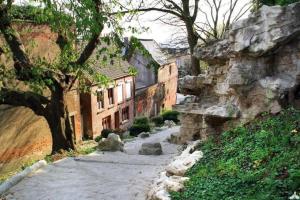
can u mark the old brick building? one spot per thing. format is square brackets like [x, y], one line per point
[109, 107]
[156, 82]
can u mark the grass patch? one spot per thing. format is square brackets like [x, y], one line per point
[257, 161]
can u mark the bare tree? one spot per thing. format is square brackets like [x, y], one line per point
[201, 20]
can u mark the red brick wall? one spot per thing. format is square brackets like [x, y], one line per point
[168, 75]
[150, 101]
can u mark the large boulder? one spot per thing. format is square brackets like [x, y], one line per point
[151, 149]
[112, 143]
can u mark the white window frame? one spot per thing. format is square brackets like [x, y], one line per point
[128, 93]
[120, 98]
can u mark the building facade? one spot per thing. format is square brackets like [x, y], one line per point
[109, 107]
[155, 88]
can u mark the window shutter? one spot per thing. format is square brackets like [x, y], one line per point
[120, 93]
[128, 90]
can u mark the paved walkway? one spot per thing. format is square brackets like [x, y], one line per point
[99, 176]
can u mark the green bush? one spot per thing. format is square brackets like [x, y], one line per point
[136, 129]
[106, 132]
[98, 138]
[257, 161]
[141, 120]
[170, 115]
[158, 121]
[277, 2]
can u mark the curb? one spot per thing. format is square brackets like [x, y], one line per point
[6, 185]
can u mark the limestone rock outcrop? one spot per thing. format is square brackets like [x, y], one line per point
[255, 69]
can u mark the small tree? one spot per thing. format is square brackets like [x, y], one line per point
[50, 82]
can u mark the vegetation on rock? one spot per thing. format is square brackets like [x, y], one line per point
[257, 161]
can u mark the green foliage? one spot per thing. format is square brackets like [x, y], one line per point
[158, 121]
[106, 132]
[277, 2]
[141, 120]
[170, 115]
[258, 161]
[98, 138]
[139, 125]
[256, 4]
[136, 129]
[132, 71]
[87, 150]
[136, 45]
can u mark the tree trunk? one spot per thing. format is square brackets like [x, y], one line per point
[59, 122]
[192, 40]
[195, 65]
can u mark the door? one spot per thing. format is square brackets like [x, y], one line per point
[117, 120]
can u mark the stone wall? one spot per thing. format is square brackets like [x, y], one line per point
[255, 69]
[24, 137]
[150, 101]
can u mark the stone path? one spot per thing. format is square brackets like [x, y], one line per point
[99, 176]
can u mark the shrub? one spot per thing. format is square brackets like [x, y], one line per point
[277, 2]
[141, 120]
[170, 115]
[136, 129]
[98, 138]
[106, 132]
[158, 121]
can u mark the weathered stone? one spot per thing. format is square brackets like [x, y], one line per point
[169, 123]
[185, 161]
[111, 143]
[161, 187]
[151, 149]
[144, 135]
[171, 182]
[255, 69]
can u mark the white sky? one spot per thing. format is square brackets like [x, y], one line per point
[162, 32]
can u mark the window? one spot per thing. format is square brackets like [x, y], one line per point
[128, 89]
[120, 93]
[170, 69]
[125, 114]
[100, 99]
[110, 96]
[106, 122]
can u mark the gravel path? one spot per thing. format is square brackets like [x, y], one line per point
[100, 176]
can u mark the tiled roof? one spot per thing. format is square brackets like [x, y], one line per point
[113, 67]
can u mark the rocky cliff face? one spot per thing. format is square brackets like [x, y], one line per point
[255, 69]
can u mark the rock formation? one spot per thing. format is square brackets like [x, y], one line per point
[255, 69]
